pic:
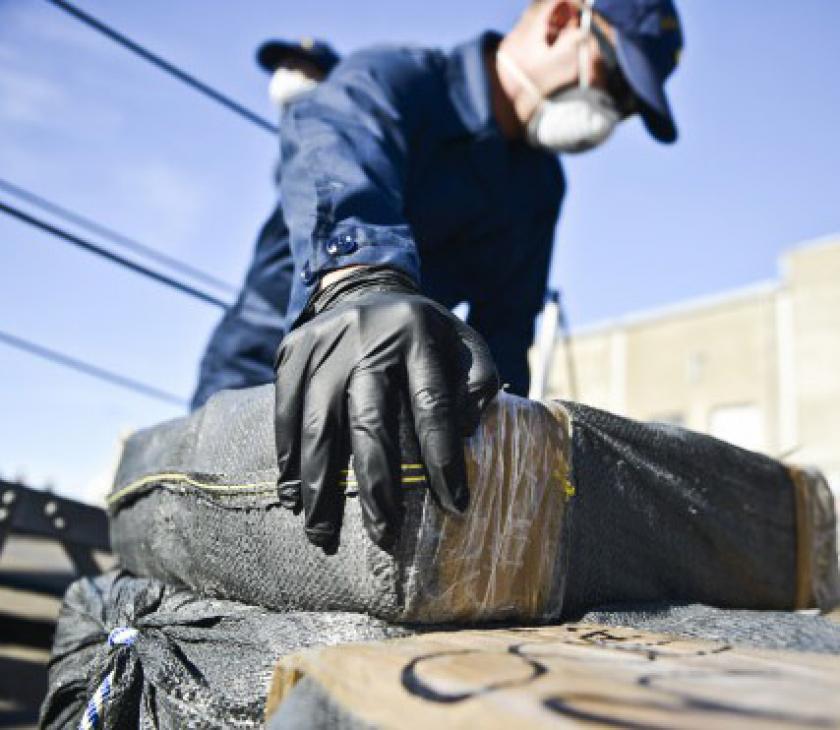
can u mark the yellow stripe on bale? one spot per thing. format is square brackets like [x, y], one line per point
[404, 467]
[179, 478]
[351, 482]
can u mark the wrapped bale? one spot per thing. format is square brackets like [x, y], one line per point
[195, 502]
[658, 514]
[134, 653]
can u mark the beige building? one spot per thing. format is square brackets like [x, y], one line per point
[759, 366]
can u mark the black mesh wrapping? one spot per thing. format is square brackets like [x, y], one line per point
[784, 630]
[666, 514]
[196, 662]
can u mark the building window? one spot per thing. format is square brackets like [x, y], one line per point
[740, 424]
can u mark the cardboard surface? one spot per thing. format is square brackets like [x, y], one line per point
[567, 676]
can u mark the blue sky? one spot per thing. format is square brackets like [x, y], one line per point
[757, 170]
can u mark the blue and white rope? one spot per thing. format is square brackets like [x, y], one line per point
[96, 704]
[94, 712]
[122, 635]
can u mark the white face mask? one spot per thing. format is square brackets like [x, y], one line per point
[572, 119]
[287, 84]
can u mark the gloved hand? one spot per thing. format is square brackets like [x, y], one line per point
[367, 348]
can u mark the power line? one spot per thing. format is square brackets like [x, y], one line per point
[113, 236]
[92, 370]
[115, 258]
[161, 63]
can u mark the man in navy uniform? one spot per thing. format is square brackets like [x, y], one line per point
[413, 180]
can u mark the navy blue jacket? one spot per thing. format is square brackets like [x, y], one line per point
[397, 159]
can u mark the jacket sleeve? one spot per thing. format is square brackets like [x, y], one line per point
[345, 150]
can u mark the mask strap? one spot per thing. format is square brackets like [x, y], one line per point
[521, 77]
[583, 50]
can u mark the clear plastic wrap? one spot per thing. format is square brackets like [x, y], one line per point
[818, 578]
[504, 558]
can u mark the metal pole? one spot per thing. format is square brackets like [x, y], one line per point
[566, 334]
[544, 345]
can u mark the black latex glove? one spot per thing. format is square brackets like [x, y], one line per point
[368, 348]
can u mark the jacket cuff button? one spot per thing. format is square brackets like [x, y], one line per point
[341, 246]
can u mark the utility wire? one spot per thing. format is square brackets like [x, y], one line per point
[92, 370]
[161, 63]
[115, 258]
[114, 236]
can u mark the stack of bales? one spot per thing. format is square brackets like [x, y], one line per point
[571, 508]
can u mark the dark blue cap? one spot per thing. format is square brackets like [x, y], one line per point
[273, 53]
[648, 43]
